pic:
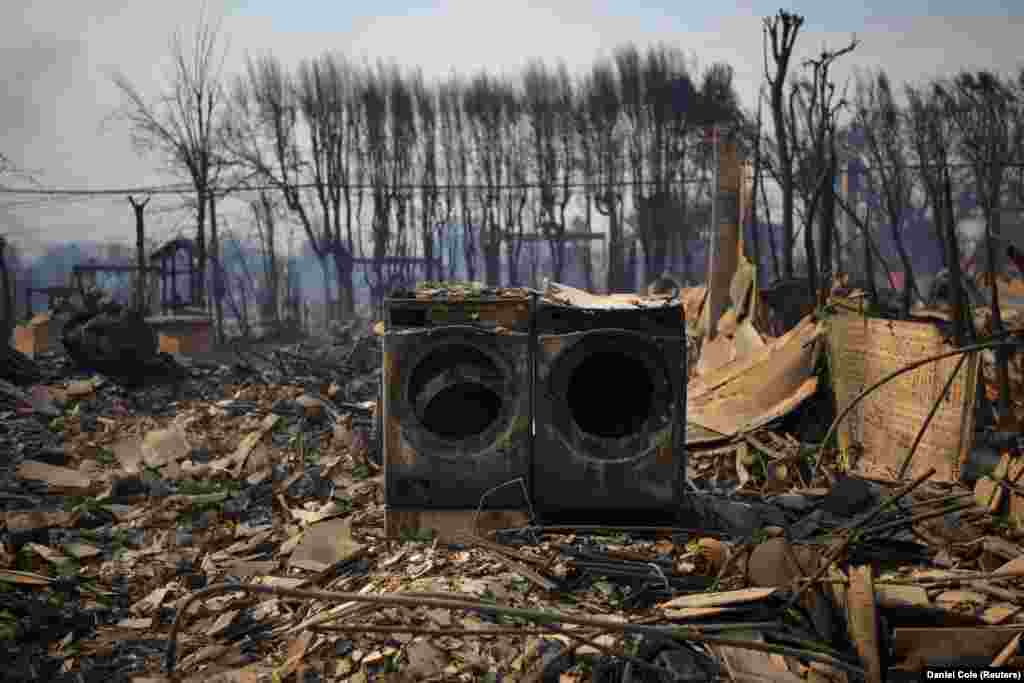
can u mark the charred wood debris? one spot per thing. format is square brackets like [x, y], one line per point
[223, 520]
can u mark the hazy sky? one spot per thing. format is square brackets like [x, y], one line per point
[57, 58]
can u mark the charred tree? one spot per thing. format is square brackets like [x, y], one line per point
[882, 124]
[139, 208]
[986, 111]
[930, 136]
[780, 32]
[181, 126]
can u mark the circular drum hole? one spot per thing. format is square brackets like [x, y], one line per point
[461, 411]
[456, 392]
[610, 394]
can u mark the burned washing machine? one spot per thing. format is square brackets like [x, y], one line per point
[610, 384]
[456, 409]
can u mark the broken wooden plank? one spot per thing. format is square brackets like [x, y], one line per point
[723, 599]
[1010, 650]
[862, 616]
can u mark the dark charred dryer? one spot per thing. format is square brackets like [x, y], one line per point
[456, 404]
[606, 389]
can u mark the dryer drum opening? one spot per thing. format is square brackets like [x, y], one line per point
[630, 381]
[456, 392]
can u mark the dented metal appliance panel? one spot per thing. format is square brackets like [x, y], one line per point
[456, 416]
[604, 409]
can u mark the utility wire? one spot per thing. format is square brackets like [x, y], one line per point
[178, 189]
[185, 188]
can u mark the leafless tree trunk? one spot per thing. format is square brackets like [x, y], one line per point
[930, 135]
[484, 107]
[8, 316]
[313, 178]
[449, 100]
[780, 31]
[139, 208]
[517, 158]
[632, 96]
[603, 105]
[772, 247]
[827, 107]
[462, 152]
[566, 158]
[540, 100]
[265, 220]
[182, 125]
[882, 124]
[755, 232]
[986, 113]
[243, 285]
[427, 109]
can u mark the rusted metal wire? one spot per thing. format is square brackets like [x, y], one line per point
[554, 619]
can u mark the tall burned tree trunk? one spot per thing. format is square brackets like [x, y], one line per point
[140, 253]
[782, 50]
[869, 264]
[7, 314]
[609, 206]
[956, 282]
[218, 271]
[828, 224]
[198, 284]
[755, 233]
[273, 270]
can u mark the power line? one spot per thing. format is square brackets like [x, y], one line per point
[185, 188]
[446, 187]
[156, 189]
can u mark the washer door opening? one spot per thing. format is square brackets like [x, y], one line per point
[456, 391]
[610, 394]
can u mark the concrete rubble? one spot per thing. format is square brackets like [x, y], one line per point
[259, 474]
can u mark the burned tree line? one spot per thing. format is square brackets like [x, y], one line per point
[376, 162]
[373, 161]
[917, 160]
[414, 177]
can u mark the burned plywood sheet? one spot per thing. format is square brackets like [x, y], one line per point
[885, 423]
[749, 392]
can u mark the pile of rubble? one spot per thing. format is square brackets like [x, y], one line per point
[228, 525]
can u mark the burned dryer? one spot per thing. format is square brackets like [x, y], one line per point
[606, 389]
[456, 404]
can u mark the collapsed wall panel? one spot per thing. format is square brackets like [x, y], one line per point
[883, 426]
